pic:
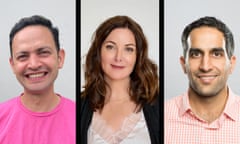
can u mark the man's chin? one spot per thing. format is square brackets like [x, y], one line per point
[204, 91]
[207, 93]
[36, 89]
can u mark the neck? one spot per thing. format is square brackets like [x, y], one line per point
[208, 108]
[119, 90]
[40, 102]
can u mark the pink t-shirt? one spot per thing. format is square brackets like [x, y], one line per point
[19, 125]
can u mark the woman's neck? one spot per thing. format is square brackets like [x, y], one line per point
[119, 90]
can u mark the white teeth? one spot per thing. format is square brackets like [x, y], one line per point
[207, 77]
[36, 75]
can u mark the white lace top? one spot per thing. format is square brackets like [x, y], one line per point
[133, 131]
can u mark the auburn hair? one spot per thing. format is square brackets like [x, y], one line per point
[144, 83]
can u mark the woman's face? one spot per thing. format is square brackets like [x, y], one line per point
[118, 54]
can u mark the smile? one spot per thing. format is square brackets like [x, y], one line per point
[36, 75]
[207, 78]
[116, 66]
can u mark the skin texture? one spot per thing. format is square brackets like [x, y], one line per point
[208, 68]
[36, 62]
[118, 55]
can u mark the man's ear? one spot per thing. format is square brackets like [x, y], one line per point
[233, 63]
[182, 61]
[11, 64]
[61, 58]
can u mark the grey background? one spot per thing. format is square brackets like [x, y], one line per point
[62, 14]
[144, 12]
[180, 13]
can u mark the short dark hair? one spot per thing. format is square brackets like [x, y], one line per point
[209, 22]
[34, 20]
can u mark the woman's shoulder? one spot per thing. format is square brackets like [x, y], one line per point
[155, 103]
[153, 107]
[84, 101]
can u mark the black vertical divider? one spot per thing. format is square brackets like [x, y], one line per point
[78, 70]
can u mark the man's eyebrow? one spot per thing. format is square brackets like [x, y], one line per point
[195, 50]
[43, 48]
[37, 50]
[217, 49]
[212, 49]
[21, 52]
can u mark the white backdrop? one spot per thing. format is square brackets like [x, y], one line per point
[178, 14]
[62, 15]
[144, 12]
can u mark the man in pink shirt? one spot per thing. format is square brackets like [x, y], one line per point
[38, 115]
[209, 112]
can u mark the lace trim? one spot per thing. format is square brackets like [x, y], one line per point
[100, 127]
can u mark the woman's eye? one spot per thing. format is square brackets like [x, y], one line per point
[130, 49]
[109, 46]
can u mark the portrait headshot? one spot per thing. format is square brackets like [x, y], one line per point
[119, 72]
[201, 55]
[176, 81]
[63, 17]
[38, 61]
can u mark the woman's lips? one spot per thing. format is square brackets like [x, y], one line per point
[117, 67]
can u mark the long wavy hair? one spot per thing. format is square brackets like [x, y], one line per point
[144, 83]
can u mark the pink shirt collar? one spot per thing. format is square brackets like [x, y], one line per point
[231, 109]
